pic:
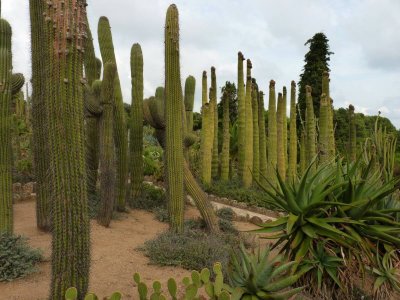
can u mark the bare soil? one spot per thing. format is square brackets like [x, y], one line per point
[114, 255]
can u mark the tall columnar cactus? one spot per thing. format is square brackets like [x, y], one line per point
[331, 134]
[262, 134]
[120, 134]
[323, 140]
[352, 135]
[70, 220]
[292, 163]
[241, 115]
[190, 86]
[272, 133]
[248, 161]
[303, 155]
[310, 128]
[213, 99]
[136, 124]
[173, 121]
[225, 138]
[204, 97]
[280, 116]
[40, 149]
[207, 135]
[256, 135]
[284, 135]
[107, 153]
[6, 211]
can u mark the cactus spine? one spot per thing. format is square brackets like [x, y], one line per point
[190, 86]
[174, 122]
[261, 126]
[39, 117]
[280, 116]
[272, 133]
[120, 135]
[324, 154]
[310, 127]
[6, 211]
[136, 124]
[213, 99]
[107, 154]
[292, 163]
[248, 162]
[70, 221]
[241, 116]
[352, 134]
[225, 138]
[256, 136]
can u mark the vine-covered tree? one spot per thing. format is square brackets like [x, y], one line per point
[316, 62]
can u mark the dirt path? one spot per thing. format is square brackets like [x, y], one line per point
[114, 258]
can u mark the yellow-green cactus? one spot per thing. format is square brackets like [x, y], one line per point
[280, 116]
[190, 86]
[241, 116]
[248, 162]
[284, 135]
[225, 138]
[326, 91]
[352, 135]
[262, 134]
[136, 124]
[207, 141]
[323, 140]
[272, 158]
[310, 129]
[213, 99]
[256, 137]
[292, 163]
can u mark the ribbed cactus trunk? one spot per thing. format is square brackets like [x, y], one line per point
[352, 144]
[120, 134]
[280, 116]
[204, 96]
[190, 86]
[292, 163]
[40, 147]
[303, 155]
[310, 127]
[207, 135]
[262, 134]
[225, 138]
[256, 136]
[272, 156]
[324, 155]
[107, 152]
[70, 220]
[213, 100]
[241, 116]
[285, 135]
[174, 123]
[248, 153]
[136, 125]
[331, 134]
[6, 210]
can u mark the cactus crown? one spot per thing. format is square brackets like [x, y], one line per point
[272, 83]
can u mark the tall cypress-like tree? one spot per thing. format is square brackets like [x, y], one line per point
[316, 63]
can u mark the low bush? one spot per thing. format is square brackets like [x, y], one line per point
[17, 258]
[151, 197]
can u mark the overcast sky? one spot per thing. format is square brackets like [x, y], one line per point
[364, 34]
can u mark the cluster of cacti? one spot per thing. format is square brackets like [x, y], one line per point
[120, 135]
[66, 31]
[136, 124]
[6, 211]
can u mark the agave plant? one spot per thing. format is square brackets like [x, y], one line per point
[259, 276]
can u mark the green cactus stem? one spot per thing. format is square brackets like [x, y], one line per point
[352, 135]
[120, 133]
[207, 141]
[107, 153]
[262, 134]
[6, 210]
[326, 91]
[248, 162]
[280, 116]
[225, 138]
[213, 99]
[40, 146]
[285, 135]
[204, 97]
[190, 86]
[303, 155]
[136, 124]
[272, 157]
[292, 162]
[173, 121]
[241, 116]
[324, 155]
[310, 129]
[256, 136]
[66, 138]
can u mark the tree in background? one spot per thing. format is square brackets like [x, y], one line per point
[230, 88]
[316, 62]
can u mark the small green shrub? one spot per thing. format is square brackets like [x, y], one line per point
[153, 162]
[152, 197]
[226, 213]
[161, 214]
[17, 258]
